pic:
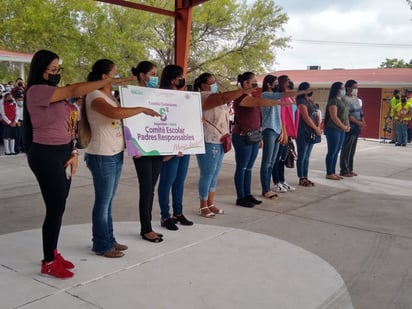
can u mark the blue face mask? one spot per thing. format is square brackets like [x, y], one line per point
[213, 88]
[19, 103]
[342, 92]
[152, 82]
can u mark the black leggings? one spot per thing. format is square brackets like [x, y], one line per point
[47, 163]
[148, 170]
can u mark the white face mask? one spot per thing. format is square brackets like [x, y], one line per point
[355, 92]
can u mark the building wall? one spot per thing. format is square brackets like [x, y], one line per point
[372, 107]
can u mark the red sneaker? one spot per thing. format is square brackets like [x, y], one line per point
[55, 269]
[65, 263]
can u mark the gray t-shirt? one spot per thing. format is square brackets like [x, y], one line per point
[354, 106]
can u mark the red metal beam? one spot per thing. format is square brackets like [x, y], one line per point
[141, 7]
[183, 22]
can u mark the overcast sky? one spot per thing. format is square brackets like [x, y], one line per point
[328, 33]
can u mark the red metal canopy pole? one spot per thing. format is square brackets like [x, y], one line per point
[183, 22]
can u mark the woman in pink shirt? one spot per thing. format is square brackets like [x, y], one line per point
[49, 124]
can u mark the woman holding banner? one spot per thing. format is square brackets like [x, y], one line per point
[174, 170]
[147, 167]
[104, 154]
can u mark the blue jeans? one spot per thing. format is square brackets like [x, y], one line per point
[172, 176]
[402, 130]
[334, 138]
[106, 172]
[245, 157]
[209, 165]
[304, 150]
[269, 154]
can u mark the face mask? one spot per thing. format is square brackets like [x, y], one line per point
[355, 92]
[310, 94]
[342, 92]
[10, 101]
[181, 83]
[152, 82]
[54, 79]
[213, 88]
[397, 97]
[19, 103]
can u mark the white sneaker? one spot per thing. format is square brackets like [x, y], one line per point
[287, 186]
[278, 188]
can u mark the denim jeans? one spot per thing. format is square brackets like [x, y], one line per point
[304, 150]
[172, 176]
[245, 157]
[106, 172]
[402, 130]
[334, 138]
[278, 171]
[209, 165]
[269, 155]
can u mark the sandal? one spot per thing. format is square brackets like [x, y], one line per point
[270, 194]
[311, 183]
[305, 182]
[215, 210]
[205, 214]
[333, 177]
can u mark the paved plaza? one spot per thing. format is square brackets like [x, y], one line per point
[340, 244]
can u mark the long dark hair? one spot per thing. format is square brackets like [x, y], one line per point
[142, 67]
[170, 72]
[334, 90]
[202, 79]
[269, 79]
[282, 83]
[100, 67]
[39, 63]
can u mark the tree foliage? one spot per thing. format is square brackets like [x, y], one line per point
[396, 63]
[227, 38]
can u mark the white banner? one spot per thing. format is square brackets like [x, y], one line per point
[179, 129]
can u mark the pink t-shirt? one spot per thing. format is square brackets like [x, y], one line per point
[290, 118]
[50, 121]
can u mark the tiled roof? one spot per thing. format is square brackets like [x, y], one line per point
[364, 77]
[14, 56]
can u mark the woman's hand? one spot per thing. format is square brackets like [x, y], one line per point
[74, 162]
[318, 131]
[150, 112]
[121, 81]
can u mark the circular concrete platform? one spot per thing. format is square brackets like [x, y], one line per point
[196, 267]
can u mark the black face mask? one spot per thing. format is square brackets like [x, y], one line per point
[397, 97]
[181, 84]
[10, 101]
[54, 79]
[310, 94]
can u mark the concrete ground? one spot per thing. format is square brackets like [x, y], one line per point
[340, 244]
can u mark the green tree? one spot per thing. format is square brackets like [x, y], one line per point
[227, 38]
[396, 63]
